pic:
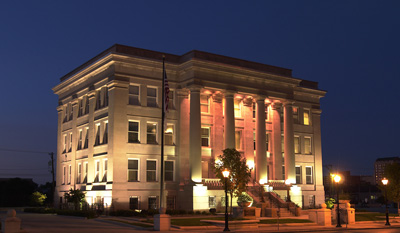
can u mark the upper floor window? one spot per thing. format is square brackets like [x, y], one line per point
[97, 171]
[309, 175]
[151, 97]
[297, 144]
[65, 143]
[133, 170]
[204, 103]
[238, 107]
[133, 132]
[171, 99]
[85, 172]
[169, 171]
[105, 168]
[97, 139]
[169, 135]
[79, 175]
[69, 174]
[296, 115]
[80, 139]
[151, 170]
[70, 142]
[70, 112]
[102, 98]
[86, 138]
[205, 136]
[254, 110]
[298, 175]
[306, 116]
[238, 139]
[105, 135]
[86, 105]
[134, 95]
[80, 107]
[307, 145]
[151, 133]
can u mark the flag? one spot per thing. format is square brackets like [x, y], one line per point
[166, 96]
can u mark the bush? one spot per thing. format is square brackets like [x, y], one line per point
[124, 213]
[182, 212]
[244, 197]
[190, 212]
[37, 198]
[40, 210]
[213, 211]
[198, 212]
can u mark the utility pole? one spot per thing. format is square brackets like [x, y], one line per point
[52, 174]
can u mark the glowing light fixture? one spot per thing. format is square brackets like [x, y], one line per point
[225, 173]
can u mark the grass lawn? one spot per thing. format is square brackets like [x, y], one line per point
[284, 220]
[131, 223]
[371, 216]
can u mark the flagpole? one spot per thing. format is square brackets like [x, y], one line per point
[162, 138]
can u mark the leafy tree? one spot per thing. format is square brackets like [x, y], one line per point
[75, 196]
[239, 174]
[392, 173]
[37, 198]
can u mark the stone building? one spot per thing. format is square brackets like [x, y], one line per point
[109, 128]
[380, 167]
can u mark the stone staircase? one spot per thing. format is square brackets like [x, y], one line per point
[272, 200]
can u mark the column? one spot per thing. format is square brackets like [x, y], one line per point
[218, 128]
[195, 134]
[58, 159]
[315, 123]
[290, 170]
[248, 132]
[276, 141]
[261, 163]
[229, 120]
[182, 136]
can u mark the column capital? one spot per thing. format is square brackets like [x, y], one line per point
[182, 93]
[194, 88]
[288, 103]
[229, 93]
[276, 105]
[248, 101]
[217, 97]
[91, 94]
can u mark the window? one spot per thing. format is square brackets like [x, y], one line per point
[85, 172]
[105, 168]
[152, 203]
[69, 174]
[238, 139]
[151, 170]
[97, 171]
[307, 145]
[169, 135]
[204, 104]
[267, 142]
[297, 145]
[296, 115]
[80, 106]
[212, 201]
[80, 140]
[171, 99]
[254, 110]
[283, 172]
[309, 175]
[65, 113]
[86, 138]
[65, 143]
[306, 117]
[64, 175]
[105, 136]
[133, 132]
[151, 97]
[79, 176]
[311, 201]
[133, 170]
[205, 137]
[169, 171]
[97, 139]
[151, 133]
[133, 203]
[266, 112]
[254, 139]
[134, 95]
[237, 106]
[283, 146]
[70, 142]
[171, 200]
[86, 105]
[70, 112]
[298, 175]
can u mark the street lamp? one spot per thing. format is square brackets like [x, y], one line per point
[225, 173]
[337, 178]
[385, 182]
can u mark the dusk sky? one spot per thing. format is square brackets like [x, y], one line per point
[351, 48]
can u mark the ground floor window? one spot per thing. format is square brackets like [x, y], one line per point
[134, 203]
[212, 201]
[152, 203]
[311, 201]
[171, 202]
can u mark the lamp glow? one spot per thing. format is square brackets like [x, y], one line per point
[385, 181]
[225, 173]
[337, 178]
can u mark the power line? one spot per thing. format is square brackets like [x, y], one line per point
[24, 151]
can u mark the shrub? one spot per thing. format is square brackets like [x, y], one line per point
[213, 211]
[198, 212]
[40, 210]
[124, 213]
[182, 212]
[37, 198]
[190, 212]
[244, 197]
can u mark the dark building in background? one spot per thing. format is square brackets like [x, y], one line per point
[380, 167]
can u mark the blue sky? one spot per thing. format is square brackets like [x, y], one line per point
[350, 47]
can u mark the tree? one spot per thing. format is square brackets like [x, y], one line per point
[392, 173]
[75, 196]
[239, 174]
[37, 198]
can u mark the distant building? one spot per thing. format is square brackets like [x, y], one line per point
[109, 128]
[380, 167]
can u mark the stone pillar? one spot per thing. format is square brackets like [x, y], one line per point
[229, 120]
[290, 171]
[195, 134]
[218, 127]
[58, 159]
[182, 136]
[276, 141]
[92, 106]
[11, 224]
[321, 216]
[317, 151]
[248, 132]
[261, 157]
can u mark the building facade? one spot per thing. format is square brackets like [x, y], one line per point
[380, 167]
[109, 118]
